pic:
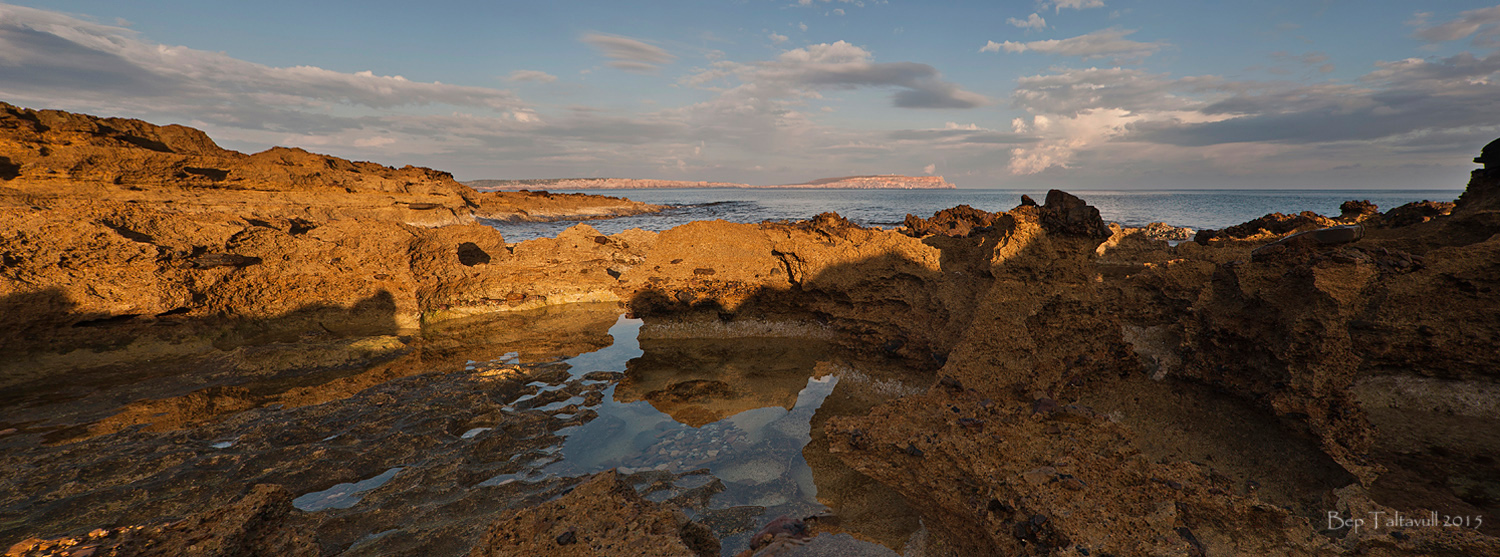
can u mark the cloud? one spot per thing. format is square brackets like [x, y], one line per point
[1033, 21]
[1402, 115]
[1484, 21]
[1412, 97]
[1107, 43]
[43, 53]
[954, 135]
[778, 39]
[801, 72]
[929, 169]
[1071, 91]
[1074, 4]
[629, 54]
[531, 75]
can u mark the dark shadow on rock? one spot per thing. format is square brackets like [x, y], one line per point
[9, 170]
[45, 322]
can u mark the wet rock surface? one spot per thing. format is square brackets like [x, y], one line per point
[603, 516]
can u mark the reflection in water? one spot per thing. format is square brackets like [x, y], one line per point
[738, 409]
[473, 418]
[342, 496]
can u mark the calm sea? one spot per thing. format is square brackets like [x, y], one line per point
[1196, 209]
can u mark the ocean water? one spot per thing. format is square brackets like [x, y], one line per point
[1196, 209]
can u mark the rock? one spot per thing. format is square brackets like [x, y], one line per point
[1045, 433]
[602, 516]
[1415, 212]
[260, 523]
[1067, 214]
[1163, 231]
[958, 221]
[1489, 155]
[58, 159]
[1356, 211]
[1274, 224]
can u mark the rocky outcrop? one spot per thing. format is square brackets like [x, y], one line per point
[60, 160]
[1416, 212]
[1272, 225]
[1046, 374]
[958, 221]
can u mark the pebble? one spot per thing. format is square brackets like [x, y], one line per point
[1039, 476]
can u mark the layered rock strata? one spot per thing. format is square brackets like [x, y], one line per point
[51, 159]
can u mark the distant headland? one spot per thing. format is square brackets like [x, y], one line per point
[882, 181]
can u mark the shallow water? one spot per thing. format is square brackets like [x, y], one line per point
[417, 453]
[734, 471]
[1194, 209]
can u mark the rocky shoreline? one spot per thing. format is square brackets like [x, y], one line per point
[1065, 387]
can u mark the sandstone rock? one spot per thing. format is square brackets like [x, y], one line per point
[959, 221]
[1274, 224]
[55, 159]
[1164, 231]
[1416, 212]
[1356, 211]
[604, 516]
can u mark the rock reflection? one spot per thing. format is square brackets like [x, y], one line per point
[739, 409]
[700, 381]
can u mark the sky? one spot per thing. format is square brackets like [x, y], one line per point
[1071, 94]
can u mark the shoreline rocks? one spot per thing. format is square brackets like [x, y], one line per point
[1069, 361]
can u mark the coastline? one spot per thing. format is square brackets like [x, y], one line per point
[883, 181]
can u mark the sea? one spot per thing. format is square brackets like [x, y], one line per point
[1195, 209]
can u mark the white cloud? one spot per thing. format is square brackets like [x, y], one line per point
[531, 75]
[1074, 4]
[1033, 21]
[1107, 43]
[625, 53]
[1484, 21]
[929, 169]
[47, 51]
[778, 39]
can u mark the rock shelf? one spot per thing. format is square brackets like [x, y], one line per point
[1084, 390]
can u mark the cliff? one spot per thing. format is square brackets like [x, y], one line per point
[885, 181]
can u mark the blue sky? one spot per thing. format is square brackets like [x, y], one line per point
[1076, 94]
